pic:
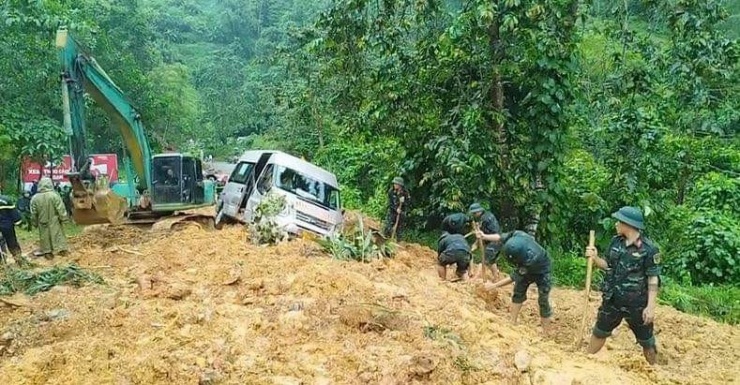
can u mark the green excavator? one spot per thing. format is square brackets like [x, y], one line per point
[161, 189]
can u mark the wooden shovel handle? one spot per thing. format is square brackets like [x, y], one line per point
[590, 265]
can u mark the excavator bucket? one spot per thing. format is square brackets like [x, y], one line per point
[96, 204]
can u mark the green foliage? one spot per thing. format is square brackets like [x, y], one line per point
[35, 281]
[569, 270]
[705, 247]
[721, 303]
[264, 229]
[359, 245]
[719, 192]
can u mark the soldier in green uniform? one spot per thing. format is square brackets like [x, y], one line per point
[398, 207]
[456, 223]
[452, 248]
[489, 225]
[531, 264]
[630, 288]
[48, 213]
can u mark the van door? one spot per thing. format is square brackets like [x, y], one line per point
[264, 184]
[249, 187]
[232, 192]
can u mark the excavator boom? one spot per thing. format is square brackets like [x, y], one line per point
[149, 198]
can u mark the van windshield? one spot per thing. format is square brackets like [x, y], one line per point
[306, 187]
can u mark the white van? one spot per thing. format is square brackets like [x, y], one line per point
[312, 193]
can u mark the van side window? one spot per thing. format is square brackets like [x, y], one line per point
[241, 173]
[265, 183]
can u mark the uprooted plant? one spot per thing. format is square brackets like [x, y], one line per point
[358, 245]
[264, 229]
[33, 281]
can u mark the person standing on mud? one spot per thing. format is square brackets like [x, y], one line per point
[452, 248]
[630, 287]
[489, 225]
[398, 205]
[531, 264]
[9, 218]
[49, 214]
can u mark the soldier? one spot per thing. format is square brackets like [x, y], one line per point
[531, 264]
[489, 225]
[456, 223]
[398, 205]
[630, 287]
[452, 248]
[9, 218]
[48, 213]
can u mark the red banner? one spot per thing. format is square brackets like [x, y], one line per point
[105, 164]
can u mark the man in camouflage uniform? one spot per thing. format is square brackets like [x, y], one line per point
[630, 287]
[456, 223]
[452, 248]
[49, 214]
[489, 225]
[398, 205]
[531, 264]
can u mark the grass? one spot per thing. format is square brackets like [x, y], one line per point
[26, 237]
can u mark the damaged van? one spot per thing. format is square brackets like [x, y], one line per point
[312, 196]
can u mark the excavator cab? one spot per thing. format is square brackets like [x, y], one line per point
[177, 182]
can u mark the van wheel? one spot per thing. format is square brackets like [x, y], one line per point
[219, 221]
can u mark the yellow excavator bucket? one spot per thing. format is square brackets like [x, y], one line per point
[96, 204]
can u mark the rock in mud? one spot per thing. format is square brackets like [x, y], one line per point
[522, 360]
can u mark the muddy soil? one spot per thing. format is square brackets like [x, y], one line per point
[207, 307]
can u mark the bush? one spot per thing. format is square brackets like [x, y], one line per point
[569, 269]
[705, 247]
[721, 303]
[703, 237]
[264, 229]
[359, 245]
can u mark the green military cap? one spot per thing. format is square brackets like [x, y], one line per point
[631, 216]
[475, 208]
[398, 180]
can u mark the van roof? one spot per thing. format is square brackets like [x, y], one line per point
[293, 162]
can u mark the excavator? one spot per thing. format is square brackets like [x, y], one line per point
[161, 189]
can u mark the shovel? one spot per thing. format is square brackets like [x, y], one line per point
[589, 270]
[398, 217]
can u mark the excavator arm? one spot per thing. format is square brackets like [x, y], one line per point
[94, 202]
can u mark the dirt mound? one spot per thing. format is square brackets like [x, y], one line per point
[207, 307]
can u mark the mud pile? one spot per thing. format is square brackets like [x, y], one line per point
[207, 307]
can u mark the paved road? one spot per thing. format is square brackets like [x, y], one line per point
[223, 167]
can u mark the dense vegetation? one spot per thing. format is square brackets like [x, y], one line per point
[552, 113]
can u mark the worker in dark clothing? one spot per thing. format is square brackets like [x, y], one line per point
[398, 207]
[24, 206]
[631, 283]
[457, 223]
[531, 264]
[453, 249]
[9, 218]
[488, 223]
